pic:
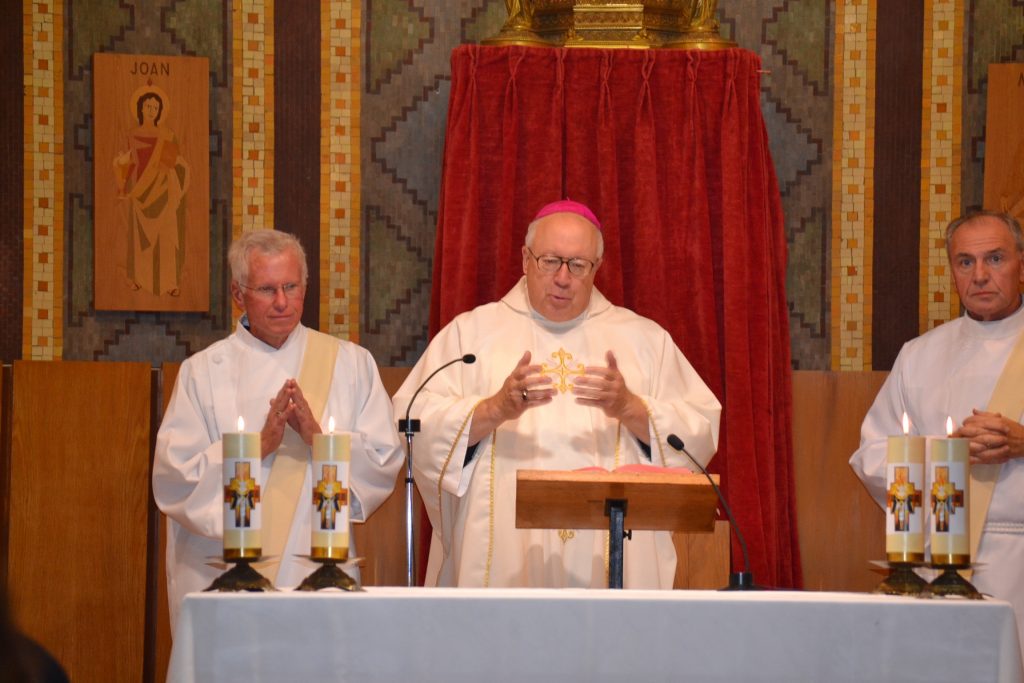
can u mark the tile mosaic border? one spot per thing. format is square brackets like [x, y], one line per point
[341, 217]
[853, 184]
[941, 134]
[43, 290]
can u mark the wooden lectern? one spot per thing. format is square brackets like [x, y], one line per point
[658, 501]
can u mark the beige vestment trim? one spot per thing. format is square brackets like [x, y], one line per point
[1007, 400]
[281, 492]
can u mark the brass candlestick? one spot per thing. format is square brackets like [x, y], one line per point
[241, 577]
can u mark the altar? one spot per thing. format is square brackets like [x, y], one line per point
[442, 634]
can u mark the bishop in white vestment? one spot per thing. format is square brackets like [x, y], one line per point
[952, 370]
[563, 380]
[250, 374]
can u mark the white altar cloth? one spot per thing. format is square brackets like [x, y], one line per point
[529, 635]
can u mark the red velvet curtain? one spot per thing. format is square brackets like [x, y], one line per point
[670, 150]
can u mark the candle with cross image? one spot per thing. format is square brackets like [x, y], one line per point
[950, 469]
[242, 490]
[329, 520]
[904, 517]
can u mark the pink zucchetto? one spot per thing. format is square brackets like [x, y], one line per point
[568, 206]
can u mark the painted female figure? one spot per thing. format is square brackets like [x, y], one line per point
[154, 177]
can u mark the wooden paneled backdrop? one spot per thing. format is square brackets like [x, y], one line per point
[82, 543]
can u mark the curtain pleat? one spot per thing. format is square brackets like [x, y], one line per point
[669, 148]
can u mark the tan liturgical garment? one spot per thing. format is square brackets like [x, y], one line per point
[289, 469]
[1007, 400]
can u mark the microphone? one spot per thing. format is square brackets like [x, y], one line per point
[412, 426]
[738, 581]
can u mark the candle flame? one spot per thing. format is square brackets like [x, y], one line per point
[949, 426]
[330, 424]
[241, 424]
[906, 424]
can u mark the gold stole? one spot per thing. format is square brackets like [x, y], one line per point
[1007, 400]
[281, 493]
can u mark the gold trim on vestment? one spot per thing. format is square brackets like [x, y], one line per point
[444, 470]
[490, 514]
[657, 436]
[288, 471]
[1006, 400]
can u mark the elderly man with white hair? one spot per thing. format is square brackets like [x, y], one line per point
[258, 373]
[563, 380]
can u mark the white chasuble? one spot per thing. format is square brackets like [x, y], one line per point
[472, 504]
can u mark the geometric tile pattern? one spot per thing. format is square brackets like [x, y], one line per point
[994, 35]
[253, 116]
[43, 302]
[941, 137]
[853, 184]
[340, 213]
[404, 108]
[794, 39]
[390, 58]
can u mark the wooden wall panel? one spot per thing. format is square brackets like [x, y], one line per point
[702, 560]
[841, 528]
[78, 537]
[158, 532]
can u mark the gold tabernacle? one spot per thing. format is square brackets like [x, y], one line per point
[644, 24]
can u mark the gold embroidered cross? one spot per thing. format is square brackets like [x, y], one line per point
[562, 371]
[566, 535]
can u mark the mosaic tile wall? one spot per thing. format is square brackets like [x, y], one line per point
[853, 184]
[340, 176]
[994, 31]
[164, 27]
[44, 197]
[404, 107]
[252, 116]
[385, 84]
[941, 156]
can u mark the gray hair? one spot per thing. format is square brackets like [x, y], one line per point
[270, 242]
[1006, 219]
[531, 232]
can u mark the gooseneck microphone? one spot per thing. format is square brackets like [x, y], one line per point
[409, 428]
[738, 581]
[412, 426]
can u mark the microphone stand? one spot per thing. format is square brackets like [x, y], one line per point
[738, 581]
[410, 428]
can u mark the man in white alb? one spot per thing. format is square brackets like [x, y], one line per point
[970, 369]
[563, 380]
[252, 374]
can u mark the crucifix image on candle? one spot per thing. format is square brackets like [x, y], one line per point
[242, 491]
[242, 475]
[904, 515]
[950, 468]
[950, 477]
[329, 514]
